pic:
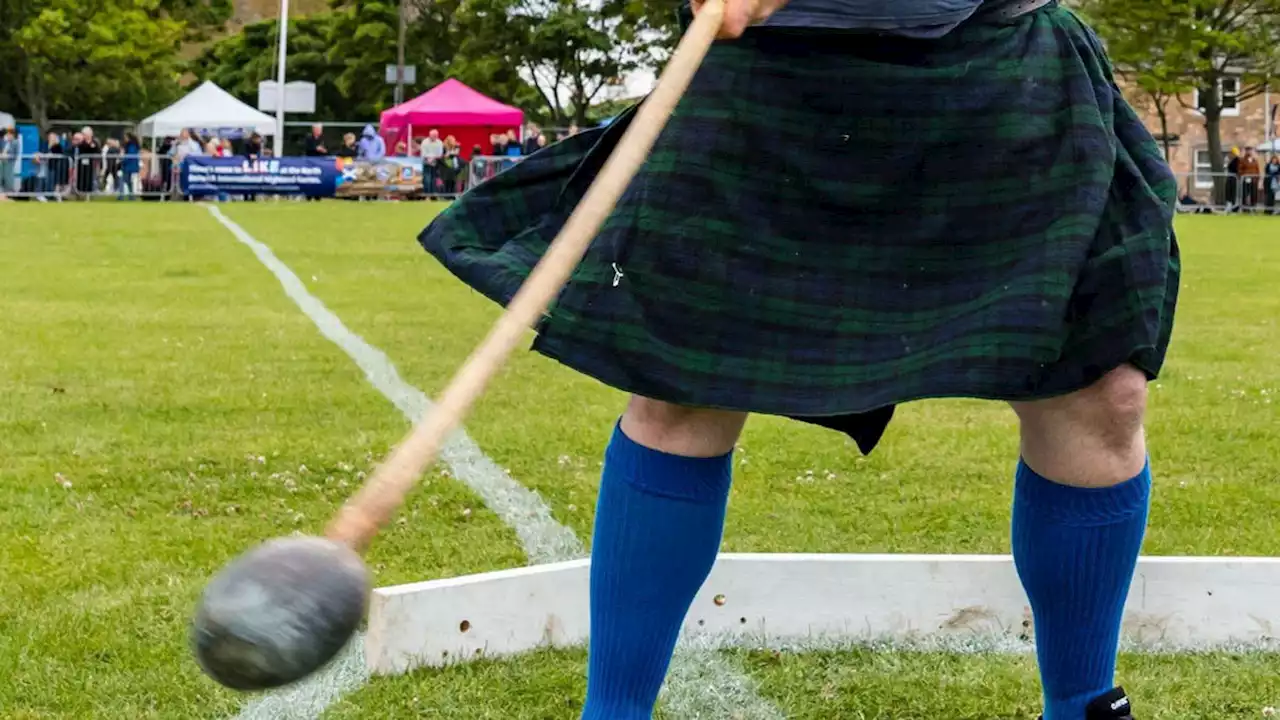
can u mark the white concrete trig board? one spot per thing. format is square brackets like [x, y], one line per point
[820, 600]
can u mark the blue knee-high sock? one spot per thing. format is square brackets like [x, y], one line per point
[1075, 550]
[659, 520]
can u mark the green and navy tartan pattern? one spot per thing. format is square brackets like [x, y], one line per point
[832, 224]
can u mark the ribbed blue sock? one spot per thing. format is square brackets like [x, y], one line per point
[1075, 550]
[659, 520]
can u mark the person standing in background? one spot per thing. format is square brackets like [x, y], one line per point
[1271, 184]
[1250, 171]
[111, 158]
[477, 168]
[450, 166]
[10, 156]
[348, 149]
[315, 142]
[253, 151]
[530, 144]
[372, 147]
[129, 166]
[253, 147]
[1232, 201]
[89, 161]
[165, 152]
[432, 150]
[186, 146]
[314, 147]
[73, 161]
[56, 178]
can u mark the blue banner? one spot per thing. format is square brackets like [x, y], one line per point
[317, 177]
[29, 135]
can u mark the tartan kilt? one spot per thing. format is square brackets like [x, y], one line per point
[832, 224]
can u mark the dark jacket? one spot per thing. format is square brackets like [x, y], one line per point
[313, 146]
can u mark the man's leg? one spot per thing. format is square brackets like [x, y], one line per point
[659, 519]
[1079, 514]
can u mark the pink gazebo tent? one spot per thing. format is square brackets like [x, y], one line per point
[454, 109]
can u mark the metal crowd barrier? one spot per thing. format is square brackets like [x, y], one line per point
[45, 177]
[483, 167]
[1227, 193]
[58, 177]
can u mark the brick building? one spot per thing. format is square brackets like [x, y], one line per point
[1243, 125]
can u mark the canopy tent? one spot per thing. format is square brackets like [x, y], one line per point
[208, 107]
[6, 121]
[454, 109]
[1270, 146]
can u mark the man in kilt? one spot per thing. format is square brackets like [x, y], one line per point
[1036, 265]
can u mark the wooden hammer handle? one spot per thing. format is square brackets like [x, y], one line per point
[382, 494]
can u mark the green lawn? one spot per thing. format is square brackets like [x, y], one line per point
[165, 407]
[149, 361]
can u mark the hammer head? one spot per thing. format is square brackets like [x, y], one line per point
[279, 612]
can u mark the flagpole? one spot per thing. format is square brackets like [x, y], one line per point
[284, 41]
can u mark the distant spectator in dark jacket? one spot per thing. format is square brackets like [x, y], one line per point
[348, 149]
[315, 142]
[531, 135]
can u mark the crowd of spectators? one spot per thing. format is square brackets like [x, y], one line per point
[80, 163]
[1252, 182]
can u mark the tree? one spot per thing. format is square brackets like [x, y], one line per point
[655, 20]
[200, 18]
[111, 58]
[237, 63]
[1151, 54]
[1172, 46]
[362, 42]
[569, 52]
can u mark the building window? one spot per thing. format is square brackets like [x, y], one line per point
[1229, 92]
[1203, 170]
[1230, 95]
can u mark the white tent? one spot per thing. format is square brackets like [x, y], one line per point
[6, 120]
[207, 107]
[1272, 146]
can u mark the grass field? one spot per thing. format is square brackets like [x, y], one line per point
[167, 406]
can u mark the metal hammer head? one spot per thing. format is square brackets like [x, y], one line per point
[279, 612]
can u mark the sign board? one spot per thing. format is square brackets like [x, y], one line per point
[410, 74]
[202, 176]
[299, 96]
[398, 177]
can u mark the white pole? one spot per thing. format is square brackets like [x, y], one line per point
[284, 41]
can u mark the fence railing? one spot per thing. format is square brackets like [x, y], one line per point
[485, 167]
[1229, 193]
[150, 176]
[85, 177]
[45, 176]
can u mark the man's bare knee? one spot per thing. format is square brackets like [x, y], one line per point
[680, 430]
[1091, 437]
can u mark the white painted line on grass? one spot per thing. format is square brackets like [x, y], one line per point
[700, 684]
